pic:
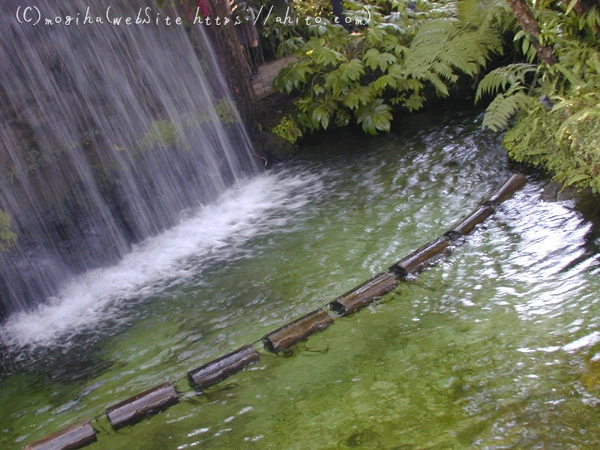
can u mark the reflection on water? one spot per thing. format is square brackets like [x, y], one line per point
[497, 347]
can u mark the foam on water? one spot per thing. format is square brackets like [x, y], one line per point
[254, 207]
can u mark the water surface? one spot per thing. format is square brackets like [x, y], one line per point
[497, 347]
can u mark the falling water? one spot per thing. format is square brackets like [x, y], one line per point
[109, 134]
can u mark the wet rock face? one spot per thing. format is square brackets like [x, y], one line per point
[106, 135]
[555, 192]
[274, 148]
[583, 200]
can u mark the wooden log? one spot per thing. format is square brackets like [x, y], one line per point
[418, 260]
[147, 403]
[507, 190]
[223, 367]
[295, 331]
[364, 294]
[468, 223]
[73, 437]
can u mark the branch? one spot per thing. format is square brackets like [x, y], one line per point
[525, 17]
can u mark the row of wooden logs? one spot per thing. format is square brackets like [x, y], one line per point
[161, 397]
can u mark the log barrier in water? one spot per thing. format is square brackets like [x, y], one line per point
[161, 397]
[422, 258]
[362, 295]
[297, 330]
[223, 367]
[147, 403]
[507, 190]
[75, 436]
[467, 225]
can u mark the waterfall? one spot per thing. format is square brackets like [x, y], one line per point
[109, 134]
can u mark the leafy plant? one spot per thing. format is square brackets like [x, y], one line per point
[341, 78]
[161, 133]
[556, 106]
[288, 130]
[7, 236]
[509, 85]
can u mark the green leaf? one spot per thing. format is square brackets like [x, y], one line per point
[385, 60]
[376, 35]
[321, 115]
[322, 30]
[375, 117]
[525, 46]
[288, 129]
[371, 58]
[289, 46]
[304, 69]
[318, 89]
[351, 100]
[374, 59]
[383, 82]
[335, 82]
[326, 56]
[397, 71]
[365, 94]
[414, 102]
[352, 70]
[408, 84]
[342, 118]
[361, 95]
[519, 35]
[390, 42]
[571, 6]
[287, 80]
[594, 63]
[596, 185]
[576, 178]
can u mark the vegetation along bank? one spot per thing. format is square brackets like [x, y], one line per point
[536, 66]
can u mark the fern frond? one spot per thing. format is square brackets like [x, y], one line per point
[503, 107]
[492, 42]
[434, 32]
[440, 87]
[463, 54]
[444, 70]
[485, 14]
[428, 45]
[456, 47]
[571, 74]
[503, 78]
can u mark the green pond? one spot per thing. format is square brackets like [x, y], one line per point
[496, 347]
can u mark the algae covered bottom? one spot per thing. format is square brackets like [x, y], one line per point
[496, 347]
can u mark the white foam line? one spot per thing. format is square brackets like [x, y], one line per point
[151, 266]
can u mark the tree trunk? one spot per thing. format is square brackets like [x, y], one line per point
[523, 13]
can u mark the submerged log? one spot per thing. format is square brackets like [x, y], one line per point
[295, 331]
[364, 294]
[507, 190]
[223, 367]
[425, 256]
[73, 437]
[468, 223]
[147, 403]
